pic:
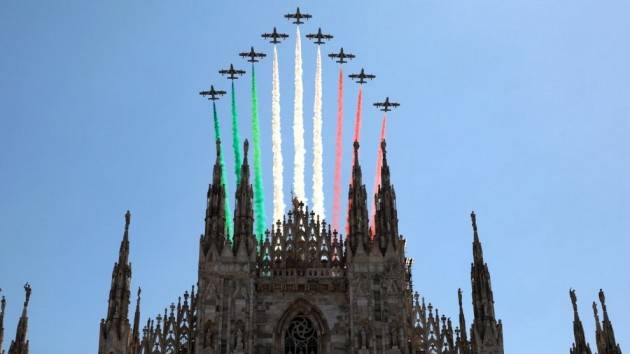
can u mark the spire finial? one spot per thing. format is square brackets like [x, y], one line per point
[27, 290]
[459, 297]
[473, 218]
[356, 153]
[573, 300]
[477, 251]
[218, 144]
[602, 300]
[127, 220]
[245, 149]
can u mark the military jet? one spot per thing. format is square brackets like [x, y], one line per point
[319, 36]
[253, 56]
[361, 76]
[297, 16]
[232, 73]
[212, 94]
[385, 105]
[341, 56]
[275, 36]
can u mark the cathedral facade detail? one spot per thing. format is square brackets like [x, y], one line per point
[305, 289]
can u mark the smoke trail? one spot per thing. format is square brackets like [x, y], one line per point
[236, 139]
[259, 197]
[338, 154]
[318, 179]
[276, 138]
[357, 135]
[377, 175]
[298, 124]
[229, 222]
[357, 118]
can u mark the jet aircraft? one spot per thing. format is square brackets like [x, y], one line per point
[341, 56]
[212, 94]
[232, 73]
[297, 16]
[385, 105]
[253, 55]
[361, 77]
[319, 36]
[275, 36]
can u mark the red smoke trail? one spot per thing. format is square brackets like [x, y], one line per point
[357, 119]
[357, 134]
[377, 178]
[338, 154]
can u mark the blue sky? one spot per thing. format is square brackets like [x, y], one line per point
[518, 110]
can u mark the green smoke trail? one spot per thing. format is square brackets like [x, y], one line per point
[259, 196]
[229, 222]
[236, 139]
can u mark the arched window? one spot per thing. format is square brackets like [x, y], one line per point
[301, 337]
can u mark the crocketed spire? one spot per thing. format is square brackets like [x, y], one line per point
[386, 216]
[115, 327]
[580, 346]
[215, 231]
[134, 345]
[487, 333]
[3, 305]
[244, 211]
[358, 227]
[604, 333]
[20, 344]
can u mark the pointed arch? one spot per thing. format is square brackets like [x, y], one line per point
[301, 308]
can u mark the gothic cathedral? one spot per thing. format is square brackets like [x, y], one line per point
[307, 290]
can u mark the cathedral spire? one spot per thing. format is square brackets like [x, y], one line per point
[3, 305]
[123, 254]
[464, 345]
[215, 231]
[487, 333]
[358, 228]
[115, 327]
[477, 251]
[20, 344]
[605, 335]
[244, 211]
[580, 346]
[386, 216]
[134, 346]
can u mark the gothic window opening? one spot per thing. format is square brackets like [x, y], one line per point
[301, 337]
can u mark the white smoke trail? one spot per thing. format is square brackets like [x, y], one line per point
[318, 179]
[276, 139]
[298, 124]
